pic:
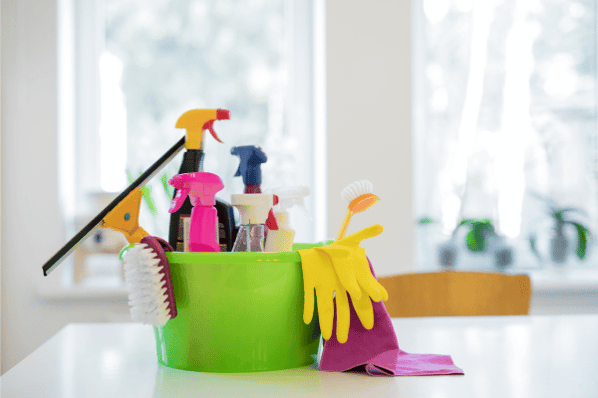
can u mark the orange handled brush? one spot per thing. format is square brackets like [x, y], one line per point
[359, 196]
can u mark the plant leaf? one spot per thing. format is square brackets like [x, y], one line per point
[566, 209]
[146, 192]
[569, 210]
[582, 233]
[169, 189]
[129, 176]
[478, 229]
[470, 241]
[532, 245]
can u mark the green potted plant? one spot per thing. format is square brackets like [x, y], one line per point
[481, 238]
[479, 232]
[563, 218]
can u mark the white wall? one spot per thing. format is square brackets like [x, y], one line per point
[368, 55]
[0, 196]
[28, 159]
[32, 228]
[369, 124]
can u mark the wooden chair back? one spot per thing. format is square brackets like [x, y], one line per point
[455, 293]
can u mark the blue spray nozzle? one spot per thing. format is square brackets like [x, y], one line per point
[252, 157]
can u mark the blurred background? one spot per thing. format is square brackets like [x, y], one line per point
[475, 120]
[505, 133]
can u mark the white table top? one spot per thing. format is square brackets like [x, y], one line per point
[527, 356]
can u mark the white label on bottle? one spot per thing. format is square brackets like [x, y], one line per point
[186, 228]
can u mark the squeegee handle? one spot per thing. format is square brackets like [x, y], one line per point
[94, 224]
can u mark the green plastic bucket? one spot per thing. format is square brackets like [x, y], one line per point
[237, 312]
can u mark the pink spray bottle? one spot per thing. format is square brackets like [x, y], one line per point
[201, 188]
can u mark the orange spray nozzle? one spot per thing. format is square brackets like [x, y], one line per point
[196, 121]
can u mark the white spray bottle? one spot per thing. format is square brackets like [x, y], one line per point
[281, 239]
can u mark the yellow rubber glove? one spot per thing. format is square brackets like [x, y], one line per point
[353, 271]
[319, 275]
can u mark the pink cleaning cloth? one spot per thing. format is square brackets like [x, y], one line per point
[377, 351]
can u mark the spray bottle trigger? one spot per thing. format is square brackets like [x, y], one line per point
[304, 211]
[209, 125]
[179, 199]
[271, 222]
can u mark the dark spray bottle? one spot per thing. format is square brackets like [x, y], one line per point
[196, 121]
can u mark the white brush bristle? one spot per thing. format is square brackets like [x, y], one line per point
[148, 299]
[356, 189]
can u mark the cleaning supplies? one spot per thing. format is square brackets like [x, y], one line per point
[195, 122]
[338, 269]
[250, 169]
[252, 233]
[97, 221]
[359, 197]
[351, 266]
[149, 282]
[198, 120]
[319, 277]
[201, 188]
[237, 313]
[281, 239]
[376, 350]
[355, 274]
[124, 217]
[254, 209]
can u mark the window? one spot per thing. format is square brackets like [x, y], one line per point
[140, 65]
[506, 133]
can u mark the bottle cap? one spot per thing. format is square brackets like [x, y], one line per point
[201, 188]
[250, 166]
[254, 208]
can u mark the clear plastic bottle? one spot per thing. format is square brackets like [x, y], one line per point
[254, 210]
[250, 238]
